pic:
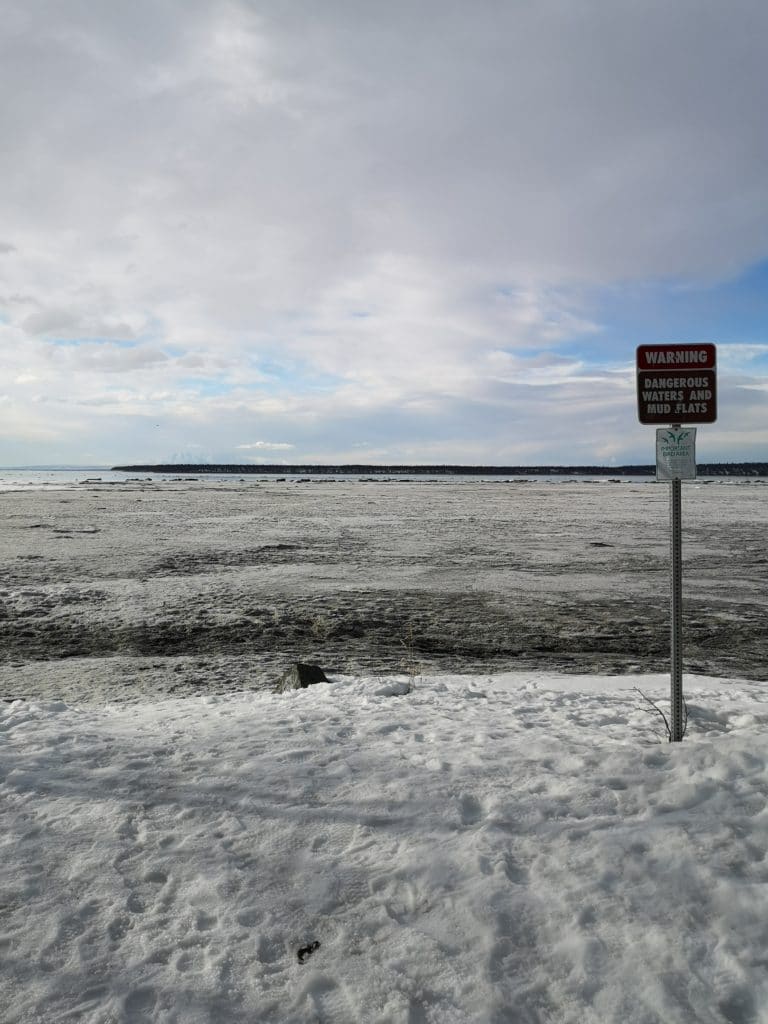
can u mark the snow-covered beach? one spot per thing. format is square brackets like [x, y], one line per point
[505, 849]
[467, 824]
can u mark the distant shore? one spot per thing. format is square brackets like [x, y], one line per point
[704, 469]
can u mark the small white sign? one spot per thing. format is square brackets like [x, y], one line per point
[676, 453]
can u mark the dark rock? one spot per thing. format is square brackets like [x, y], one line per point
[306, 951]
[299, 676]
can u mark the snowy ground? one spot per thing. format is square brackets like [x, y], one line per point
[493, 846]
[519, 848]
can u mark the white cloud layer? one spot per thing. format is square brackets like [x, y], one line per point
[334, 222]
[272, 446]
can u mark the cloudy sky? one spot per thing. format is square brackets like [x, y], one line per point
[339, 230]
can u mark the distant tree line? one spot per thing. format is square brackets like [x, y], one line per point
[703, 468]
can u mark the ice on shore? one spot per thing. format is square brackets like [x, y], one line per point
[506, 849]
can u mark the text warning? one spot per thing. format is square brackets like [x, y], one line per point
[676, 384]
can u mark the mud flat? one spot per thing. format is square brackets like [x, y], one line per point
[147, 589]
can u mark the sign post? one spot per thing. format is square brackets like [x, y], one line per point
[676, 724]
[676, 384]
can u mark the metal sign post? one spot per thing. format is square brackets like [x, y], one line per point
[676, 381]
[675, 462]
[676, 632]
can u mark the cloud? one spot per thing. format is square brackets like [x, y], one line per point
[540, 137]
[271, 445]
[68, 323]
[104, 357]
[740, 356]
[352, 217]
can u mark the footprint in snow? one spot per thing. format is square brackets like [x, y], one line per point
[269, 951]
[56, 953]
[330, 1002]
[470, 809]
[139, 1004]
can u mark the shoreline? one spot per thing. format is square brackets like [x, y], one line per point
[729, 469]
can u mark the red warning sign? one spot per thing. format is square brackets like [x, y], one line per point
[676, 384]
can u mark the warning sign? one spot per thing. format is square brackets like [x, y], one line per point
[676, 384]
[676, 357]
[676, 454]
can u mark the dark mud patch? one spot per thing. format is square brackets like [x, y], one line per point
[427, 632]
[195, 563]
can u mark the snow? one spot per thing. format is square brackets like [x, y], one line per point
[513, 848]
[180, 845]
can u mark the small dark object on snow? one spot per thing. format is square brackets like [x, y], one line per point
[306, 951]
[299, 676]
